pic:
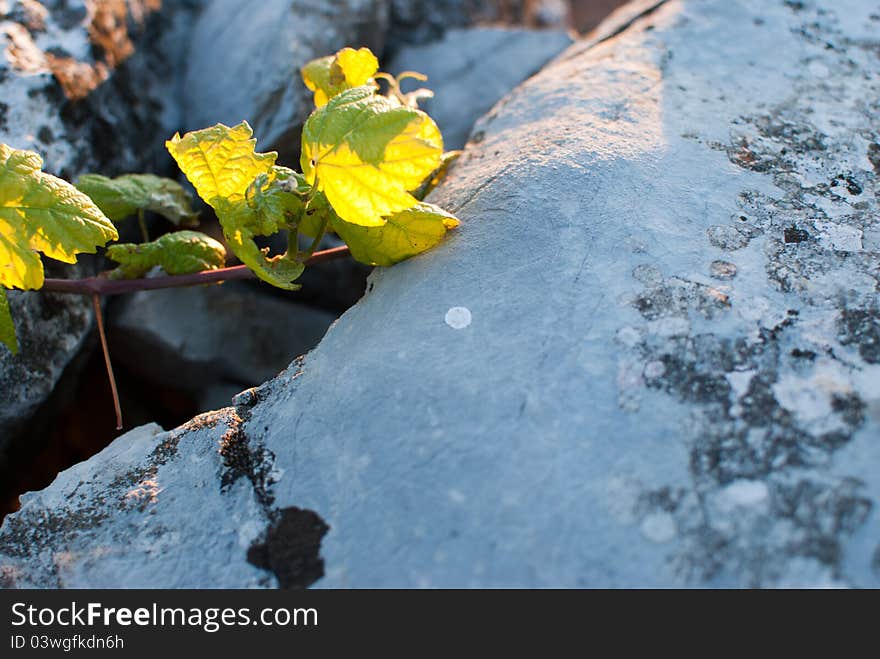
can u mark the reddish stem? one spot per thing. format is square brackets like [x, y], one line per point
[99, 316]
[104, 286]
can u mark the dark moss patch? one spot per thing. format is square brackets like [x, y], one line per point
[26, 535]
[45, 135]
[677, 297]
[822, 514]
[850, 407]
[874, 156]
[244, 458]
[690, 383]
[794, 235]
[291, 549]
[861, 327]
[849, 182]
[808, 355]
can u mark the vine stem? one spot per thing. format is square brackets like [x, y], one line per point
[96, 287]
[99, 316]
[104, 286]
[317, 241]
[142, 222]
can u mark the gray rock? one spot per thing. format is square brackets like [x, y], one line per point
[421, 21]
[469, 71]
[560, 395]
[51, 330]
[90, 89]
[231, 516]
[193, 338]
[245, 58]
[87, 98]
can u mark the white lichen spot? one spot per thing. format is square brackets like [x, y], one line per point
[248, 532]
[839, 237]
[762, 311]
[739, 382]
[809, 398]
[654, 370]
[659, 527]
[458, 317]
[669, 327]
[629, 336]
[743, 494]
[800, 397]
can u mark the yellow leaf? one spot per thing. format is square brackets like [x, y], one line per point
[366, 153]
[39, 212]
[404, 235]
[329, 76]
[220, 162]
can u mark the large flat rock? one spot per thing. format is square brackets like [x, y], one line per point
[649, 356]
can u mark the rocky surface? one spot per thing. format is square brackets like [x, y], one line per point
[85, 85]
[51, 331]
[195, 338]
[648, 357]
[134, 484]
[90, 85]
[469, 71]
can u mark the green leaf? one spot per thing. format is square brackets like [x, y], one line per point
[329, 76]
[404, 235]
[278, 271]
[39, 212]
[178, 253]
[7, 327]
[311, 222]
[235, 181]
[277, 199]
[366, 152]
[124, 196]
